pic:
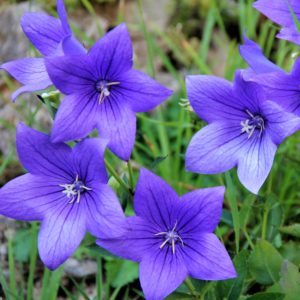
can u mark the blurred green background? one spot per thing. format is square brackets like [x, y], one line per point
[171, 39]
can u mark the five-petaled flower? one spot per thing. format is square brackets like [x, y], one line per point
[66, 189]
[282, 12]
[281, 87]
[104, 92]
[244, 128]
[52, 37]
[172, 236]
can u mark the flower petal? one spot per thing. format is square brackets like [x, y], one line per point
[88, 157]
[137, 239]
[282, 89]
[71, 46]
[281, 124]
[75, 118]
[201, 210]
[61, 233]
[140, 91]
[279, 11]
[215, 148]
[117, 123]
[44, 31]
[61, 10]
[290, 33]
[71, 74]
[161, 272]
[255, 161]
[39, 156]
[255, 58]
[104, 214]
[112, 54]
[206, 258]
[29, 197]
[155, 200]
[29, 71]
[212, 98]
[250, 94]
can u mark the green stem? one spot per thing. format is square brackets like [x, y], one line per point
[117, 177]
[11, 266]
[264, 223]
[99, 278]
[191, 287]
[130, 172]
[32, 263]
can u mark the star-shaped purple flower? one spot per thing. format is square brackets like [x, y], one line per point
[66, 189]
[172, 236]
[280, 12]
[244, 128]
[104, 92]
[279, 86]
[52, 37]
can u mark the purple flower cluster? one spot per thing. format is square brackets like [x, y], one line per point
[66, 188]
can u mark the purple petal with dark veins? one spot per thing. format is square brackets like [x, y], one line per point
[206, 258]
[161, 272]
[117, 123]
[155, 200]
[254, 57]
[44, 32]
[112, 54]
[30, 197]
[212, 98]
[61, 233]
[41, 157]
[88, 160]
[104, 214]
[76, 117]
[137, 240]
[31, 72]
[72, 74]
[255, 161]
[278, 10]
[140, 91]
[280, 124]
[200, 210]
[215, 148]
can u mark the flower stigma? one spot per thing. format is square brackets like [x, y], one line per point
[103, 87]
[74, 190]
[255, 122]
[171, 237]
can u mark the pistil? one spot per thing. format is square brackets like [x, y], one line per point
[103, 87]
[171, 238]
[255, 122]
[74, 190]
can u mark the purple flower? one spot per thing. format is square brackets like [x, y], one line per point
[104, 92]
[172, 236]
[279, 86]
[51, 37]
[244, 128]
[280, 12]
[66, 189]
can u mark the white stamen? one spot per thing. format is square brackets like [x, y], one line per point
[72, 192]
[171, 237]
[104, 88]
[257, 123]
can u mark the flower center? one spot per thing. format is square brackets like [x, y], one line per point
[254, 122]
[170, 237]
[74, 190]
[103, 87]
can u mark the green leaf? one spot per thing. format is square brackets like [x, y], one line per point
[121, 272]
[157, 161]
[265, 263]
[232, 289]
[102, 252]
[293, 230]
[290, 280]
[267, 296]
[22, 245]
